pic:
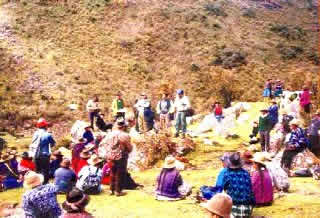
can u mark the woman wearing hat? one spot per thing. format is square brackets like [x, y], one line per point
[75, 204]
[11, 177]
[83, 161]
[169, 181]
[296, 144]
[64, 177]
[237, 183]
[40, 200]
[90, 176]
[26, 164]
[219, 206]
[261, 181]
[55, 162]
[76, 151]
[88, 135]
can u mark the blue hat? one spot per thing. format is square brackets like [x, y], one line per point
[179, 91]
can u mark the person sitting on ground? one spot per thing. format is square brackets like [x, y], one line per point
[164, 109]
[313, 133]
[101, 124]
[40, 200]
[264, 130]
[55, 162]
[254, 133]
[273, 114]
[93, 109]
[76, 151]
[219, 206]
[83, 161]
[247, 163]
[280, 179]
[296, 144]
[169, 181]
[218, 111]
[237, 183]
[90, 176]
[261, 181]
[225, 161]
[88, 135]
[26, 164]
[74, 206]
[11, 177]
[64, 177]
[305, 100]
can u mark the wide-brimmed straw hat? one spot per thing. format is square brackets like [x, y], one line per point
[169, 162]
[235, 161]
[261, 157]
[89, 147]
[220, 204]
[85, 155]
[76, 201]
[57, 153]
[295, 122]
[87, 125]
[120, 122]
[32, 179]
[94, 160]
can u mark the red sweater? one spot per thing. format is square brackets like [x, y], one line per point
[26, 165]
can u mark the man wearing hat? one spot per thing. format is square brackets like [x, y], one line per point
[40, 200]
[142, 106]
[296, 144]
[237, 183]
[313, 133]
[264, 130]
[181, 106]
[94, 172]
[64, 177]
[44, 141]
[117, 148]
[164, 108]
[273, 113]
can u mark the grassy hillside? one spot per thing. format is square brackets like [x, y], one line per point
[54, 54]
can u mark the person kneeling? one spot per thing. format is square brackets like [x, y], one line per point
[170, 186]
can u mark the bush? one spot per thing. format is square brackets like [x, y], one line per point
[313, 56]
[288, 33]
[215, 9]
[229, 59]
[289, 52]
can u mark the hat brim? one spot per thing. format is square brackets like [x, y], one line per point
[206, 206]
[233, 166]
[90, 162]
[32, 185]
[169, 166]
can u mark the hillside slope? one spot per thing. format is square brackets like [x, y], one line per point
[54, 54]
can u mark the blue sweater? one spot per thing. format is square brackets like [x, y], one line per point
[220, 177]
[237, 183]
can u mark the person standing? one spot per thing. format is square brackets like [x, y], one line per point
[164, 108]
[313, 133]
[40, 200]
[93, 109]
[305, 100]
[273, 114]
[118, 147]
[267, 92]
[117, 106]
[43, 150]
[142, 106]
[181, 105]
[218, 111]
[264, 130]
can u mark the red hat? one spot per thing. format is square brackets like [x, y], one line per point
[42, 123]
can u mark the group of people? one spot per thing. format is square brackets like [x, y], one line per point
[166, 108]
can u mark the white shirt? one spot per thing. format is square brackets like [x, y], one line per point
[142, 104]
[182, 104]
[92, 106]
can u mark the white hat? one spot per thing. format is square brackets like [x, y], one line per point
[295, 122]
[169, 162]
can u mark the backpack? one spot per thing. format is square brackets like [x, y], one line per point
[91, 183]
